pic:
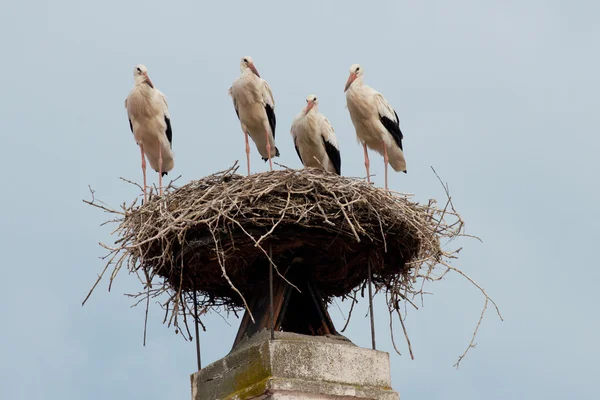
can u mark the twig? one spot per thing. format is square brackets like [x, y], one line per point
[354, 301]
[371, 304]
[196, 319]
[412, 357]
[146, 316]
[271, 311]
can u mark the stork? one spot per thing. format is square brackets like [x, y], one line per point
[255, 108]
[150, 124]
[376, 123]
[314, 138]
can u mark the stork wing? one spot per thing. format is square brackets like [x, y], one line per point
[267, 96]
[165, 110]
[292, 131]
[128, 116]
[331, 145]
[389, 119]
[234, 103]
[298, 151]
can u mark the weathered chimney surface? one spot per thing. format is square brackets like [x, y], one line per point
[295, 367]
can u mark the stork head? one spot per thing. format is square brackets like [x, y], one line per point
[356, 71]
[247, 64]
[311, 101]
[140, 74]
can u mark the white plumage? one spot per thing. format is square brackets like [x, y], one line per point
[314, 138]
[255, 107]
[376, 123]
[150, 123]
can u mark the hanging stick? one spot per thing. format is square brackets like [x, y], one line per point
[371, 304]
[271, 312]
[197, 334]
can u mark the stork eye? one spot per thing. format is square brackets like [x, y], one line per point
[139, 70]
[246, 61]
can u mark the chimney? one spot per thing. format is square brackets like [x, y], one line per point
[295, 367]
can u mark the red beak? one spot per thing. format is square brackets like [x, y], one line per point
[253, 69]
[351, 79]
[309, 106]
[148, 81]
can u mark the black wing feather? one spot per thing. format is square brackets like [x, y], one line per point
[334, 155]
[298, 152]
[393, 127]
[235, 108]
[272, 123]
[276, 154]
[130, 126]
[169, 131]
[271, 117]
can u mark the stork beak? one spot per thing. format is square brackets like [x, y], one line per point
[351, 79]
[148, 81]
[253, 69]
[309, 106]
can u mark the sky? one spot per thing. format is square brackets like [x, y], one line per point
[500, 98]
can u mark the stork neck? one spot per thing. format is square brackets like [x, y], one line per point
[247, 72]
[357, 82]
[143, 86]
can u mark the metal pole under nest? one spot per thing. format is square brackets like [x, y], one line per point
[197, 331]
[271, 312]
[371, 304]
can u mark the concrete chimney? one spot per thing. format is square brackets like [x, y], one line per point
[295, 367]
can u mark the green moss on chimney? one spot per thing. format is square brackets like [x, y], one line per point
[251, 381]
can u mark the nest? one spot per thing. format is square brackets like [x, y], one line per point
[216, 237]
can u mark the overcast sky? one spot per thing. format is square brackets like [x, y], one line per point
[500, 98]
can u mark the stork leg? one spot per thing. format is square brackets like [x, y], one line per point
[269, 150]
[247, 151]
[144, 170]
[160, 169]
[367, 162]
[385, 160]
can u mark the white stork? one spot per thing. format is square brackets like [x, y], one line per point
[150, 123]
[376, 123]
[255, 108]
[314, 139]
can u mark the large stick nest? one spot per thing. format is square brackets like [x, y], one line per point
[213, 238]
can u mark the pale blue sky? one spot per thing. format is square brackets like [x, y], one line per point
[500, 98]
